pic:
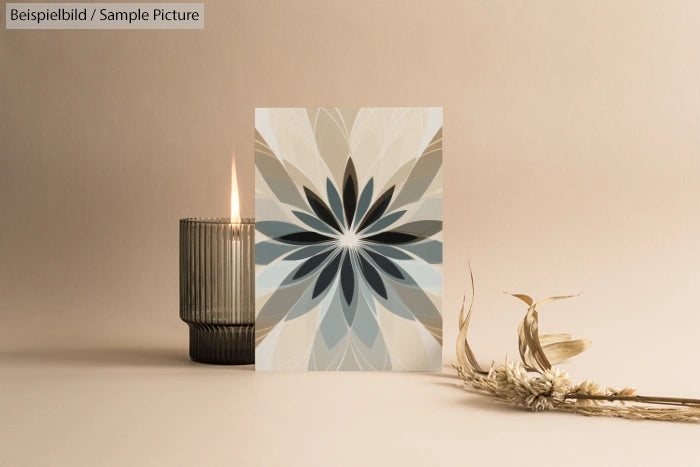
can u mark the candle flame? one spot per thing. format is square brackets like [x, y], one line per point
[235, 206]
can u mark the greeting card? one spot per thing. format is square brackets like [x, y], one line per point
[348, 247]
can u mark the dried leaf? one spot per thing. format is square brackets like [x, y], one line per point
[525, 355]
[560, 351]
[544, 301]
[529, 344]
[531, 327]
[464, 351]
[546, 339]
[526, 298]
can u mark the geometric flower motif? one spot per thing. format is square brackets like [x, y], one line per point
[348, 276]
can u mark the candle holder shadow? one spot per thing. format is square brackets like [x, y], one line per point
[217, 289]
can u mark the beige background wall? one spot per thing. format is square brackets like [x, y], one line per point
[571, 146]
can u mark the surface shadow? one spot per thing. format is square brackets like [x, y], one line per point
[447, 372]
[474, 400]
[107, 357]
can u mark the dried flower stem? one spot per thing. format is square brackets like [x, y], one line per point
[639, 399]
[536, 385]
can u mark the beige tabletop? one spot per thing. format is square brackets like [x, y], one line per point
[152, 406]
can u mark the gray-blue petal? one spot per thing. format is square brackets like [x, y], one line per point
[303, 253]
[324, 358]
[304, 304]
[417, 303]
[350, 362]
[349, 311]
[275, 229]
[333, 325]
[278, 305]
[330, 342]
[395, 304]
[275, 175]
[334, 201]
[365, 324]
[266, 251]
[387, 250]
[363, 202]
[313, 222]
[422, 174]
[384, 222]
[430, 251]
[369, 346]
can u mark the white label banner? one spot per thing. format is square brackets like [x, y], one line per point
[104, 15]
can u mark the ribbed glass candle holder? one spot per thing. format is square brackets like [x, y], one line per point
[217, 288]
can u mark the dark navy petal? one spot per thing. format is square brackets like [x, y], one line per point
[349, 192]
[347, 279]
[322, 211]
[385, 264]
[326, 276]
[377, 210]
[372, 277]
[407, 233]
[392, 237]
[310, 264]
[303, 238]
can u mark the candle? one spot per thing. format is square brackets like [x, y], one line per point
[217, 285]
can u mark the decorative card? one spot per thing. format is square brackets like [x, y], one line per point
[348, 246]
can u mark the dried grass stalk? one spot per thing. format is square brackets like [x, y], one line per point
[536, 385]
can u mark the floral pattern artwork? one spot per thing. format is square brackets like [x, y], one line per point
[348, 238]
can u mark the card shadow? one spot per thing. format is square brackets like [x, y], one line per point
[143, 357]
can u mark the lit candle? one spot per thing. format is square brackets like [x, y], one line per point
[235, 205]
[217, 264]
